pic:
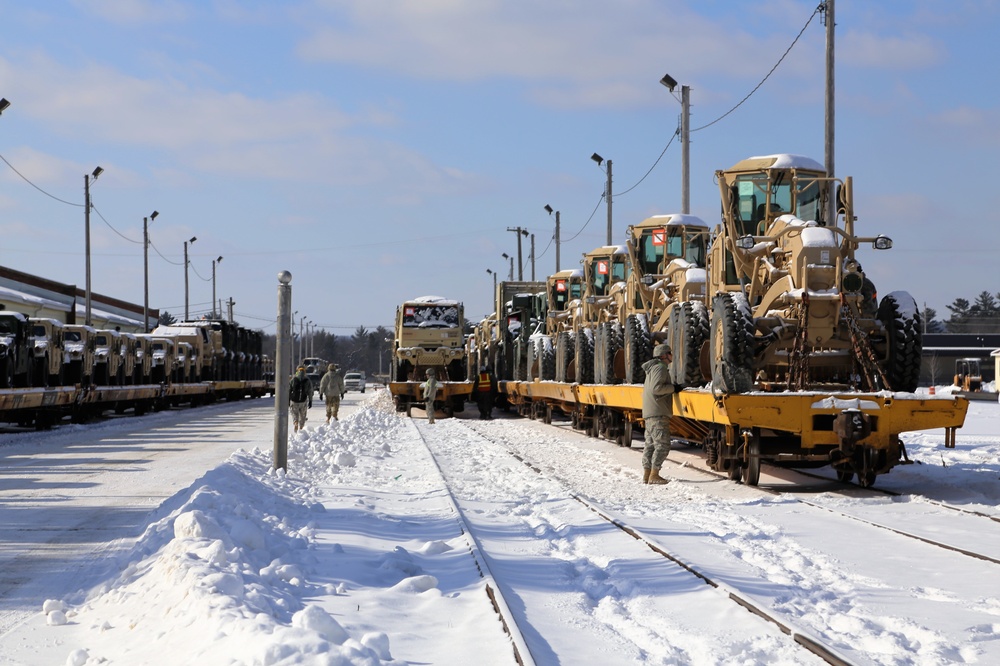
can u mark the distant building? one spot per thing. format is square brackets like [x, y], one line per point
[941, 350]
[39, 297]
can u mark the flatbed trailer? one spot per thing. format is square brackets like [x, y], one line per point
[43, 407]
[451, 396]
[856, 433]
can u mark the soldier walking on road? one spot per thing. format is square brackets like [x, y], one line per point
[430, 389]
[332, 387]
[657, 408]
[300, 391]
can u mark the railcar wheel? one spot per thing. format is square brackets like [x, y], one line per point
[731, 340]
[845, 475]
[735, 471]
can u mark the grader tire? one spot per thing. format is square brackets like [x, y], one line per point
[731, 341]
[899, 314]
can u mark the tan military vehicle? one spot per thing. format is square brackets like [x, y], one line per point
[108, 366]
[200, 336]
[564, 291]
[185, 361]
[605, 270]
[47, 351]
[792, 308]
[664, 295]
[143, 358]
[162, 363]
[429, 334]
[129, 358]
[78, 345]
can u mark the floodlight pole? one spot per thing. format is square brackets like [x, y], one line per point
[145, 270]
[830, 106]
[86, 216]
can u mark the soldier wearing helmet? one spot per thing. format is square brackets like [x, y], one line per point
[657, 408]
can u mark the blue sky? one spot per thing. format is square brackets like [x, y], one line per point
[380, 149]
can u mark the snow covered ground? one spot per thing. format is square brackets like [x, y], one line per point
[357, 556]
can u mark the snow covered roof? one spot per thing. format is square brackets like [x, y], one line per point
[790, 161]
[673, 219]
[436, 300]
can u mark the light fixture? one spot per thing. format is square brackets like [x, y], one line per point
[669, 82]
[97, 172]
[3, 104]
[597, 158]
[548, 209]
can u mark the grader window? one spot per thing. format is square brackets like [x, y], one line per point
[651, 246]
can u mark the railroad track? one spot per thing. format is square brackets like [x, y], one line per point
[803, 638]
[970, 546]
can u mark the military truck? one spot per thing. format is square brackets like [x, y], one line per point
[792, 308]
[130, 358]
[521, 307]
[162, 363]
[108, 366]
[78, 345]
[15, 350]
[47, 351]
[429, 334]
[198, 335]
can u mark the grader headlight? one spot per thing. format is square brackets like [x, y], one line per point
[882, 243]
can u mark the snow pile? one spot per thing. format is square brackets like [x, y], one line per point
[233, 567]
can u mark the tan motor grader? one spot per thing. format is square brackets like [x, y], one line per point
[605, 270]
[663, 297]
[791, 307]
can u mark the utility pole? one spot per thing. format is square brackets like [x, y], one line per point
[828, 142]
[532, 257]
[685, 150]
[230, 303]
[86, 216]
[548, 209]
[145, 270]
[607, 190]
[187, 315]
[520, 264]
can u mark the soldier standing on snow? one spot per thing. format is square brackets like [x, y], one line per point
[299, 397]
[657, 408]
[430, 389]
[332, 386]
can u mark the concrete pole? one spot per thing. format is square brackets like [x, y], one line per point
[686, 150]
[557, 241]
[282, 370]
[532, 257]
[145, 275]
[86, 217]
[609, 202]
[830, 124]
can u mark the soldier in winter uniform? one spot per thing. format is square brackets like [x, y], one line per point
[657, 398]
[430, 389]
[299, 397]
[332, 387]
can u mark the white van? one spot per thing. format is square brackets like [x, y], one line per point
[354, 381]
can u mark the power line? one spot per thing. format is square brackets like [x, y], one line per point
[787, 51]
[25, 179]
